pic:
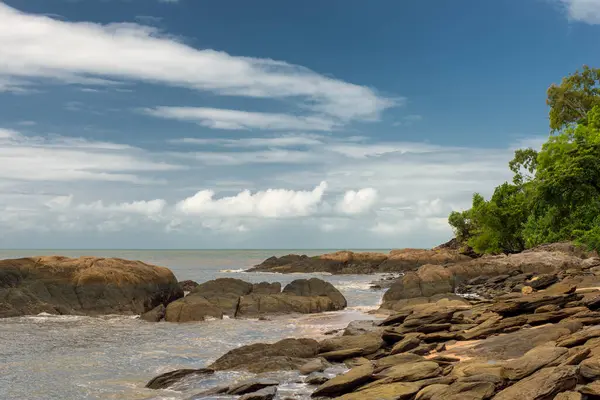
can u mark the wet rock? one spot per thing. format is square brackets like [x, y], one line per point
[168, 379]
[285, 351]
[316, 378]
[251, 386]
[85, 285]
[154, 315]
[192, 308]
[314, 365]
[267, 393]
[254, 305]
[345, 383]
[370, 343]
[223, 293]
[543, 384]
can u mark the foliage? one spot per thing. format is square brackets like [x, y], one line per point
[576, 95]
[555, 193]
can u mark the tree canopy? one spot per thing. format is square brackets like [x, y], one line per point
[555, 193]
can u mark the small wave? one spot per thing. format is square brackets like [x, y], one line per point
[353, 285]
[233, 271]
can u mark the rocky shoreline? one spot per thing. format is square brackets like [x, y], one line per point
[520, 326]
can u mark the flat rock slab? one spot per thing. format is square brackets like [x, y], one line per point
[347, 382]
[542, 385]
[267, 393]
[251, 386]
[392, 391]
[168, 379]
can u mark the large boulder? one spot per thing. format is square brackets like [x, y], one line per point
[237, 298]
[286, 354]
[316, 287]
[427, 281]
[85, 285]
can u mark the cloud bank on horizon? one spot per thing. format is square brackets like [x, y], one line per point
[250, 151]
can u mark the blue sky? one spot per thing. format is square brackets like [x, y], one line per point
[228, 124]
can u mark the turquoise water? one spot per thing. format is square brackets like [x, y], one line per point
[68, 357]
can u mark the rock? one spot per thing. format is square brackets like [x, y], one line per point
[543, 384]
[247, 357]
[224, 293]
[457, 391]
[591, 389]
[316, 378]
[316, 287]
[533, 360]
[168, 379]
[427, 281]
[392, 391]
[267, 393]
[85, 285]
[255, 305]
[370, 343]
[187, 286]
[251, 386]
[154, 315]
[345, 383]
[410, 372]
[341, 355]
[579, 338]
[266, 288]
[356, 328]
[590, 368]
[547, 308]
[192, 308]
[406, 344]
[397, 359]
[529, 303]
[348, 262]
[396, 318]
[568, 396]
[542, 281]
[314, 365]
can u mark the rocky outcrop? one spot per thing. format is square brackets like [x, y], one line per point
[83, 286]
[237, 299]
[348, 262]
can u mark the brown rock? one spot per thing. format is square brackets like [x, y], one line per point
[590, 368]
[316, 288]
[544, 384]
[341, 355]
[266, 288]
[568, 396]
[370, 343]
[457, 391]
[345, 383]
[392, 391]
[410, 372]
[168, 379]
[85, 285]
[154, 315]
[192, 308]
[579, 338]
[532, 361]
[314, 365]
[406, 344]
[591, 389]
[246, 357]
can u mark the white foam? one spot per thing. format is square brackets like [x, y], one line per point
[233, 271]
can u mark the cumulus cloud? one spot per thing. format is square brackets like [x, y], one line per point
[271, 203]
[237, 120]
[357, 202]
[587, 11]
[37, 46]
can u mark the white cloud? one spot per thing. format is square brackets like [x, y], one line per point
[429, 208]
[583, 10]
[271, 203]
[279, 141]
[149, 208]
[56, 158]
[36, 46]
[236, 120]
[357, 202]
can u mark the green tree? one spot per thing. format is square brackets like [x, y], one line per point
[576, 95]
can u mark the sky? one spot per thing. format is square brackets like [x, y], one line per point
[268, 124]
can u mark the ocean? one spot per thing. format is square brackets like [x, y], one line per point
[47, 357]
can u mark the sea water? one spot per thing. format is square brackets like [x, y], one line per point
[112, 357]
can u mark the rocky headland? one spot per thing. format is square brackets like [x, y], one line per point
[522, 326]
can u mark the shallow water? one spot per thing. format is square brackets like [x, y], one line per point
[68, 357]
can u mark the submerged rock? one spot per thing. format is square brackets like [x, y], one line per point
[85, 285]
